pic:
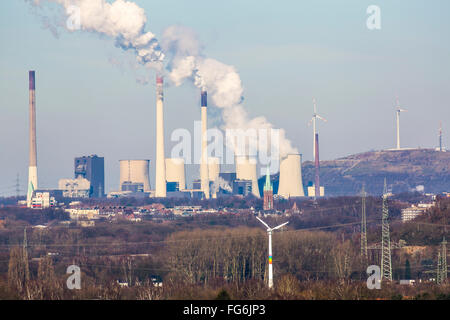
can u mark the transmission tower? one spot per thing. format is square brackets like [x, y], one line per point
[363, 227]
[439, 269]
[444, 260]
[17, 186]
[386, 264]
[25, 255]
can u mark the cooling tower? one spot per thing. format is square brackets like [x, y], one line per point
[135, 171]
[32, 166]
[160, 178]
[291, 184]
[175, 172]
[204, 180]
[246, 170]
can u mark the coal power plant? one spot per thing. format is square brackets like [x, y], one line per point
[170, 173]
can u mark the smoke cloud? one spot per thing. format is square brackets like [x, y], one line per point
[125, 21]
[222, 82]
[122, 20]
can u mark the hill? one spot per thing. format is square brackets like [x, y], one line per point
[403, 169]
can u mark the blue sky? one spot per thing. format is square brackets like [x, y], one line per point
[286, 52]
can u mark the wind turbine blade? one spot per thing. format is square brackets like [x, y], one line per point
[263, 223]
[310, 122]
[321, 118]
[401, 110]
[278, 227]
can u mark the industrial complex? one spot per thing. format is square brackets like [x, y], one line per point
[170, 177]
[170, 173]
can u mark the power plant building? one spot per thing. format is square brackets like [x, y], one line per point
[134, 175]
[75, 188]
[92, 168]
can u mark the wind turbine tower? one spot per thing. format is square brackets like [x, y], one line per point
[398, 110]
[440, 136]
[269, 232]
[313, 121]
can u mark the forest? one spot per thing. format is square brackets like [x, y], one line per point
[212, 256]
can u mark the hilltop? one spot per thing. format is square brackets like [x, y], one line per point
[403, 169]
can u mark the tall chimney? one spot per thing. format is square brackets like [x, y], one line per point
[316, 157]
[160, 183]
[32, 167]
[204, 180]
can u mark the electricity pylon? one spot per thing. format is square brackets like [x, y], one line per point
[386, 264]
[25, 255]
[441, 271]
[443, 261]
[363, 227]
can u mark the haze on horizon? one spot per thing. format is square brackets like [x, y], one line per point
[88, 100]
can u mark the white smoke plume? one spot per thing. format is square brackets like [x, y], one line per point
[122, 20]
[125, 21]
[220, 183]
[222, 82]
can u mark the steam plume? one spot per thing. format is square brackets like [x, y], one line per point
[125, 21]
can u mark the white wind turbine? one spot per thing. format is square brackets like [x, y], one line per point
[398, 123]
[313, 121]
[269, 232]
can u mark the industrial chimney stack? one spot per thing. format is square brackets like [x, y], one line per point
[160, 183]
[32, 168]
[204, 180]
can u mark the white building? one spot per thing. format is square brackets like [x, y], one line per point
[412, 212]
[42, 200]
[84, 214]
[312, 191]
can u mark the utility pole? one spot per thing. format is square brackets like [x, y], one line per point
[386, 264]
[363, 227]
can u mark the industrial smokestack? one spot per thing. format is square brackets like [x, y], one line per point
[32, 167]
[204, 180]
[316, 165]
[291, 184]
[160, 183]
